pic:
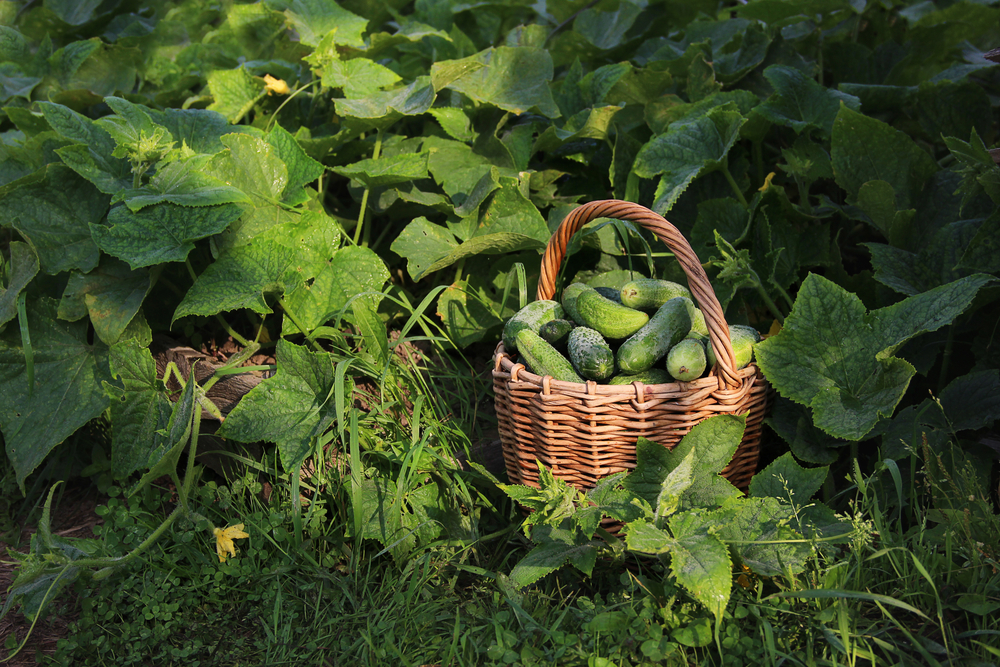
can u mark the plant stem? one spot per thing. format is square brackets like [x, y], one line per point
[364, 198]
[771, 305]
[122, 560]
[758, 160]
[732, 184]
[946, 358]
[298, 324]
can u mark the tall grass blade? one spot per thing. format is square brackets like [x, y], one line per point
[834, 593]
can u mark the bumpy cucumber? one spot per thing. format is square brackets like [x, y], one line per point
[686, 361]
[651, 292]
[610, 293]
[569, 296]
[612, 320]
[743, 338]
[532, 316]
[652, 376]
[668, 326]
[544, 359]
[555, 332]
[590, 354]
[698, 324]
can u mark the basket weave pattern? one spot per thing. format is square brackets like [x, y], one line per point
[584, 432]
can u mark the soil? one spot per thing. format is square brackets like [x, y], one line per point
[74, 516]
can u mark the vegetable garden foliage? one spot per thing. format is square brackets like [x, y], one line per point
[279, 169]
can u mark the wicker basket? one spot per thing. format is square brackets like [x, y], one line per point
[584, 432]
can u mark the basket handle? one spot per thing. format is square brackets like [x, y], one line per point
[701, 288]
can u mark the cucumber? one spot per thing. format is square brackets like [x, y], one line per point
[686, 361]
[590, 354]
[652, 376]
[555, 332]
[569, 296]
[544, 359]
[697, 317]
[609, 293]
[651, 293]
[668, 326]
[532, 316]
[743, 338]
[612, 320]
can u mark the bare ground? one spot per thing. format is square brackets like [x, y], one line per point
[73, 517]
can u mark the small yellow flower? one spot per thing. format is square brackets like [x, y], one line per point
[224, 540]
[767, 182]
[274, 85]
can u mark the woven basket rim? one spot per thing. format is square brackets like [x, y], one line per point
[504, 362]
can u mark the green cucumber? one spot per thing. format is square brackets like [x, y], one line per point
[555, 332]
[569, 296]
[651, 293]
[612, 320]
[590, 354]
[532, 316]
[668, 326]
[652, 376]
[686, 361]
[698, 324]
[743, 339]
[610, 293]
[544, 359]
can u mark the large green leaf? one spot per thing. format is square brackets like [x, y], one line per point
[385, 107]
[348, 271]
[557, 548]
[757, 531]
[837, 359]
[302, 169]
[22, 267]
[314, 19]
[200, 130]
[160, 233]
[234, 92]
[606, 30]
[423, 243]
[937, 264]
[53, 209]
[290, 408]
[515, 79]
[253, 166]
[277, 261]
[714, 441]
[67, 391]
[801, 103]
[91, 156]
[140, 409]
[357, 77]
[866, 149]
[111, 294]
[687, 150]
[785, 479]
[384, 171]
[186, 184]
[700, 562]
[509, 211]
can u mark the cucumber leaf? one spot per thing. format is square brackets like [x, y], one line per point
[836, 358]
[67, 390]
[290, 408]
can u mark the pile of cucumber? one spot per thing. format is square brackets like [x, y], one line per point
[620, 336]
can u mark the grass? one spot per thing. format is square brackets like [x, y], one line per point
[908, 591]
[382, 550]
